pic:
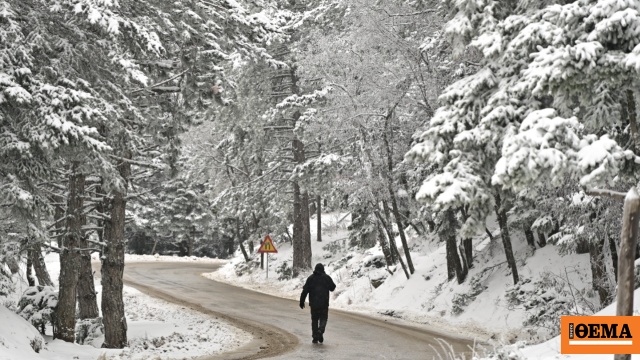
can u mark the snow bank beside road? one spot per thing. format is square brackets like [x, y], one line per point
[147, 258]
[17, 337]
[156, 329]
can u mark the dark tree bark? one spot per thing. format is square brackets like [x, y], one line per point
[489, 234]
[13, 265]
[386, 222]
[463, 262]
[115, 322]
[190, 241]
[383, 236]
[155, 244]
[392, 244]
[301, 230]
[306, 230]
[58, 216]
[65, 312]
[403, 237]
[298, 237]
[447, 232]
[395, 209]
[432, 225]
[468, 252]
[39, 266]
[418, 229]
[542, 240]
[101, 208]
[599, 271]
[633, 119]
[384, 245]
[240, 241]
[319, 218]
[30, 280]
[614, 255]
[87, 298]
[528, 234]
[501, 212]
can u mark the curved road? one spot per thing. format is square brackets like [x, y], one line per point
[280, 329]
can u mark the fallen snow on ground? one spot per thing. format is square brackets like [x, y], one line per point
[156, 257]
[156, 329]
[486, 306]
[551, 349]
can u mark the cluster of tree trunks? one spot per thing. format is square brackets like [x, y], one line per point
[76, 281]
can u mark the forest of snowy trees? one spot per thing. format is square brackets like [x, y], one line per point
[196, 127]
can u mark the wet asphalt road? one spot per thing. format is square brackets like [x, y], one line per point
[280, 328]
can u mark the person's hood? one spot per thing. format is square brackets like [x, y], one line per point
[319, 269]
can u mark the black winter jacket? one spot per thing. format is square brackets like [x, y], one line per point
[318, 286]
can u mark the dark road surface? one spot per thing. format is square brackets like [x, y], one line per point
[280, 328]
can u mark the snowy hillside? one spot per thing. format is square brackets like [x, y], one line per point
[486, 306]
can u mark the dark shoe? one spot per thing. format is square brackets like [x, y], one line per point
[321, 338]
[315, 341]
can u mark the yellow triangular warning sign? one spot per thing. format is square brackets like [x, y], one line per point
[267, 246]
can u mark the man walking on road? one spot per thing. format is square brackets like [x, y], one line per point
[318, 286]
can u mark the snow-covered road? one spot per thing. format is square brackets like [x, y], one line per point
[280, 327]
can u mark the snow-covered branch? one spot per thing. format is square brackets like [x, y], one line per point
[607, 193]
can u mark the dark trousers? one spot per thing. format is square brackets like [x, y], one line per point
[319, 318]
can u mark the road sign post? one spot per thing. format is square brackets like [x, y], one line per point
[267, 247]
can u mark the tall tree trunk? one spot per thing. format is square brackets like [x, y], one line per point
[468, 252]
[59, 219]
[101, 209]
[542, 240]
[384, 245]
[298, 237]
[30, 280]
[392, 243]
[614, 255]
[87, 298]
[306, 230]
[501, 213]
[319, 218]
[392, 194]
[394, 249]
[403, 238]
[464, 262]
[528, 234]
[633, 118]
[155, 244]
[447, 232]
[598, 271]
[386, 222]
[39, 266]
[240, 241]
[115, 322]
[65, 312]
[301, 226]
[13, 264]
